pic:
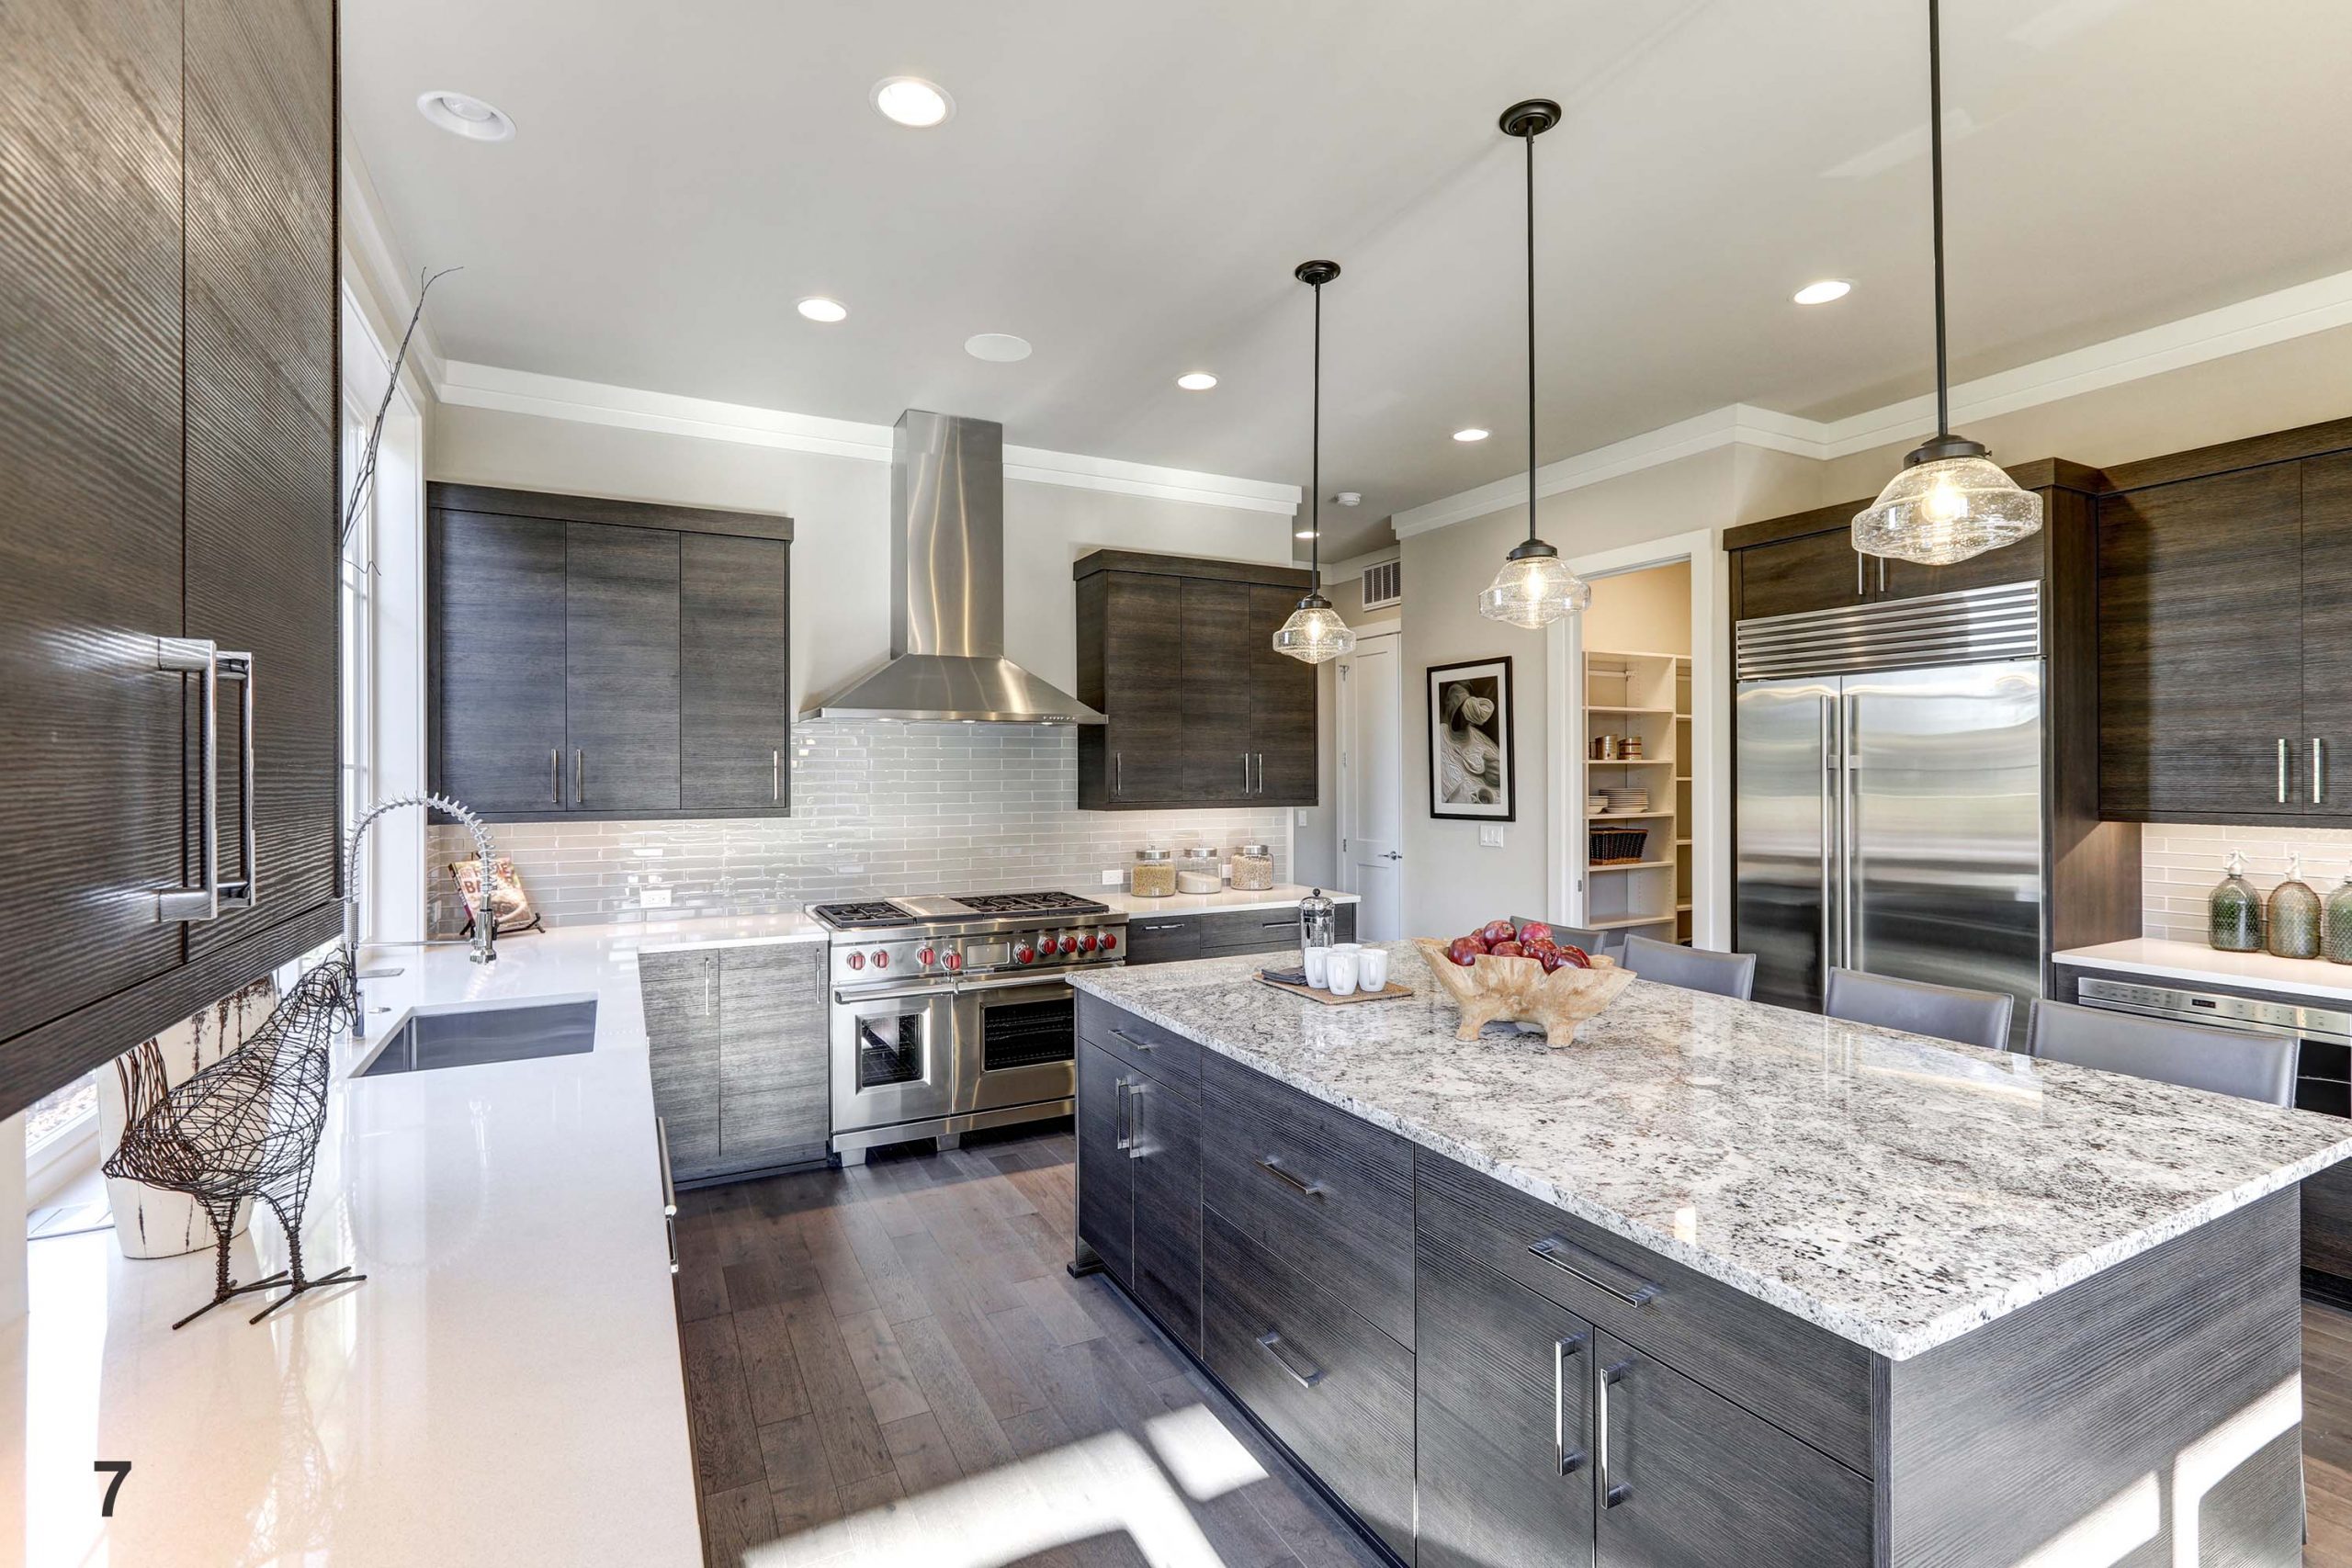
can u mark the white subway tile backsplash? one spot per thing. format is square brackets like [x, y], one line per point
[2178, 866]
[877, 808]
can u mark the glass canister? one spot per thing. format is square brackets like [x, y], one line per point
[1155, 874]
[1253, 868]
[1318, 922]
[2291, 921]
[2336, 942]
[2233, 911]
[1197, 872]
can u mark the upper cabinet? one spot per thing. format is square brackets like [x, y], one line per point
[170, 449]
[1808, 563]
[607, 658]
[1177, 652]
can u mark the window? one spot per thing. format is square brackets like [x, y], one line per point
[358, 624]
[63, 1113]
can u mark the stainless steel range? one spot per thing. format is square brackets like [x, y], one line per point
[948, 1014]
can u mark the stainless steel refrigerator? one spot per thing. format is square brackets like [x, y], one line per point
[1889, 771]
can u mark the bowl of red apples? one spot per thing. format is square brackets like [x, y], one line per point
[1518, 974]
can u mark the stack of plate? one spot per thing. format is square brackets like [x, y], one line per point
[1621, 801]
[1595, 802]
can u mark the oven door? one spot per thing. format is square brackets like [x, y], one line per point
[894, 1057]
[1019, 1039]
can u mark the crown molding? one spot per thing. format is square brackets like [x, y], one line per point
[378, 276]
[2280, 316]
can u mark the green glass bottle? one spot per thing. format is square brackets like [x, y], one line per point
[2292, 917]
[2335, 940]
[2233, 911]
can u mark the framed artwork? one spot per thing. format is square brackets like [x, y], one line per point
[1472, 761]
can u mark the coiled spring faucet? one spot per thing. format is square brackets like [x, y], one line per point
[485, 924]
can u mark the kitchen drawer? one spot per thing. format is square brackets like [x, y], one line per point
[1336, 1391]
[1806, 1380]
[1326, 1192]
[1162, 939]
[1229, 931]
[1142, 1044]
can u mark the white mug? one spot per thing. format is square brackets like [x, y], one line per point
[1316, 959]
[1373, 962]
[1340, 969]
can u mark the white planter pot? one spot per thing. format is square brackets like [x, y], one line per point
[148, 1222]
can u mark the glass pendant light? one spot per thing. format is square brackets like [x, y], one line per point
[1314, 634]
[1951, 502]
[1535, 587]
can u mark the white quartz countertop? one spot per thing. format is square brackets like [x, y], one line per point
[733, 930]
[2192, 962]
[1283, 896]
[1895, 1189]
[504, 1388]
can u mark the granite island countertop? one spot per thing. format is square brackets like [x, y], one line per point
[1895, 1189]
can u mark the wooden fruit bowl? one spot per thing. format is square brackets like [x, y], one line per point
[1517, 991]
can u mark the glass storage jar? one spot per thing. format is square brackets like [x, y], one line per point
[1197, 870]
[1253, 868]
[2291, 921]
[2336, 939]
[1155, 874]
[2233, 912]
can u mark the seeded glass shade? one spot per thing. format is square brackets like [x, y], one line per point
[1945, 510]
[1314, 634]
[1533, 591]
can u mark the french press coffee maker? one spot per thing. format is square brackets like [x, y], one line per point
[1318, 922]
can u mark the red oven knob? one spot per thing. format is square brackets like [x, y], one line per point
[1086, 942]
[881, 959]
[1025, 954]
[926, 957]
[857, 961]
[1109, 941]
[1069, 944]
[953, 961]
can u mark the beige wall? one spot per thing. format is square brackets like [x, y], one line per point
[1317, 834]
[841, 512]
[1641, 611]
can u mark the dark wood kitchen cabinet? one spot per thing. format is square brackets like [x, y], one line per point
[1176, 652]
[1139, 1131]
[607, 660]
[1222, 933]
[1808, 560]
[740, 1056]
[171, 451]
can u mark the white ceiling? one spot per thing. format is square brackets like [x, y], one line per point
[1129, 186]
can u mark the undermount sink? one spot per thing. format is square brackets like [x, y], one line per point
[464, 1036]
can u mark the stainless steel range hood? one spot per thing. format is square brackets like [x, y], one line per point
[947, 659]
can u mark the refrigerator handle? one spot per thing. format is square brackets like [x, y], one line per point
[1849, 876]
[1828, 839]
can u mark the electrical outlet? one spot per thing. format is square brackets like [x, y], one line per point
[1110, 879]
[654, 898]
[1490, 836]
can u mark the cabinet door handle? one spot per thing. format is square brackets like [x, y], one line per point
[1305, 1189]
[1566, 1256]
[194, 656]
[580, 778]
[245, 893]
[1612, 1491]
[1565, 1454]
[1245, 773]
[669, 1187]
[776, 775]
[1860, 566]
[1119, 1123]
[2319, 773]
[1881, 574]
[2282, 770]
[1135, 1119]
[1138, 1045]
[1118, 772]
[1170, 926]
[555, 774]
[1272, 1343]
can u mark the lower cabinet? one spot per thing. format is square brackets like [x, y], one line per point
[1221, 933]
[1139, 1193]
[739, 1056]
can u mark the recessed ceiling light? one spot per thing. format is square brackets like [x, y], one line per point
[1348, 497]
[1472, 434]
[998, 348]
[817, 307]
[1823, 292]
[465, 115]
[911, 101]
[1196, 381]
[1303, 534]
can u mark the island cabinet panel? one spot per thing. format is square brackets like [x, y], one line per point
[1141, 1044]
[1737, 1345]
[1326, 1192]
[1105, 1174]
[1503, 1420]
[1222, 933]
[1164, 1149]
[1686, 1479]
[1336, 1391]
[737, 1043]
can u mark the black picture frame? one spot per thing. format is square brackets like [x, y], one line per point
[1491, 743]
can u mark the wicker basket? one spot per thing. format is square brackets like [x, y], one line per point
[1617, 846]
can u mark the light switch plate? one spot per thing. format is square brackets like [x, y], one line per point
[654, 898]
[1110, 879]
[1490, 836]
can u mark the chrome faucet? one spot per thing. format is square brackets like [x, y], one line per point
[485, 924]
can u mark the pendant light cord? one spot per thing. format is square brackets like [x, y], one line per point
[1315, 461]
[1935, 181]
[1530, 140]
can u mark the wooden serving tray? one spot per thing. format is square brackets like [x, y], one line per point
[1388, 994]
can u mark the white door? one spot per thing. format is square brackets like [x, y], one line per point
[1372, 805]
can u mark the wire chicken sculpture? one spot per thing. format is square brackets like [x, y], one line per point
[246, 1127]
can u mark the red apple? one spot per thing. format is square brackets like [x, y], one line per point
[1499, 930]
[1476, 942]
[1507, 949]
[1553, 959]
[1465, 949]
[1533, 931]
[1578, 956]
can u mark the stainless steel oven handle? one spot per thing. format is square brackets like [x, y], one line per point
[1012, 982]
[851, 996]
[1829, 784]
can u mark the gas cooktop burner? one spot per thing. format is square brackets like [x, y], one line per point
[869, 912]
[1030, 904]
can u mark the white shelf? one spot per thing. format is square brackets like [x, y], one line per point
[1621, 922]
[1681, 843]
[1629, 762]
[1625, 815]
[1655, 713]
[1632, 866]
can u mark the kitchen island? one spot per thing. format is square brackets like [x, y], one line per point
[1721, 1282]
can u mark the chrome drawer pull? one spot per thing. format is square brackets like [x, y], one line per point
[1568, 1458]
[1119, 1124]
[1275, 1168]
[1138, 1045]
[1271, 1342]
[1135, 1120]
[244, 894]
[194, 656]
[1612, 1491]
[1564, 1255]
[669, 1187]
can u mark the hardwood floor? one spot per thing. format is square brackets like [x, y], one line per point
[891, 1365]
